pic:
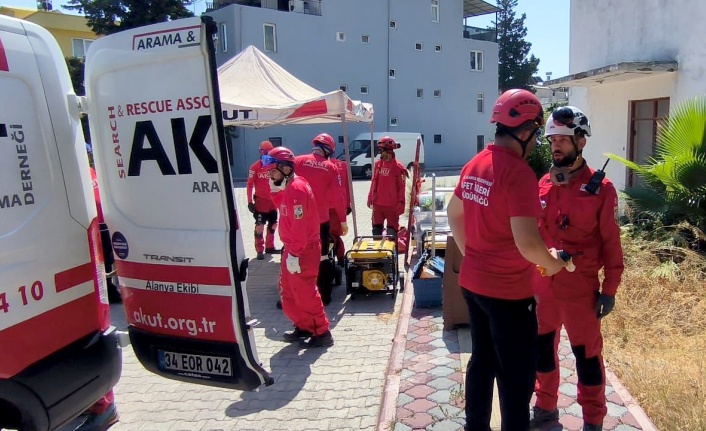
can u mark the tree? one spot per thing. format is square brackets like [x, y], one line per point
[112, 16]
[76, 68]
[515, 70]
[673, 185]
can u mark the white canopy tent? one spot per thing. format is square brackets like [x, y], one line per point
[257, 92]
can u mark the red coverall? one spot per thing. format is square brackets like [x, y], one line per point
[336, 230]
[265, 210]
[322, 175]
[299, 231]
[387, 194]
[585, 226]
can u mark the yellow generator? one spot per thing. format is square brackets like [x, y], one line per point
[371, 266]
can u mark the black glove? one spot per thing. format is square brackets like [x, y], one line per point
[349, 210]
[251, 207]
[604, 305]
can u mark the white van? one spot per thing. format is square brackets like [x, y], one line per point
[163, 172]
[359, 148]
[58, 352]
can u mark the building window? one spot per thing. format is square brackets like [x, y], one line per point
[479, 100]
[365, 38]
[437, 139]
[393, 121]
[418, 46]
[437, 48]
[79, 47]
[420, 93]
[392, 73]
[343, 87]
[480, 143]
[477, 60]
[393, 24]
[224, 38]
[340, 139]
[435, 10]
[276, 141]
[270, 37]
[363, 89]
[437, 93]
[340, 36]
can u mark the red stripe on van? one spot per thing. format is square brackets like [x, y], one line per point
[36, 338]
[3, 59]
[174, 273]
[65, 280]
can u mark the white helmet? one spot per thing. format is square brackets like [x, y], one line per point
[568, 121]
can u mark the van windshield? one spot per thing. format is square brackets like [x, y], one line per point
[358, 147]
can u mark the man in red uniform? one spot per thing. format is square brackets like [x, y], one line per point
[322, 175]
[579, 216]
[335, 222]
[261, 205]
[387, 189]
[493, 217]
[299, 231]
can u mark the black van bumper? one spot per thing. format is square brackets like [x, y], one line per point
[60, 387]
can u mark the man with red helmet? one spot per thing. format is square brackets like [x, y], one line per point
[334, 221]
[261, 205]
[493, 217]
[322, 175]
[387, 188]
[299, 231]
[579, 207]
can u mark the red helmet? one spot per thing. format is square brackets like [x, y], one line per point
[279, 155]
[386, 143]
[514, 107]
[326, 141]
[266, 146]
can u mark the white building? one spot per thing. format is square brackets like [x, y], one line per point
[414, 60]
[629, 62]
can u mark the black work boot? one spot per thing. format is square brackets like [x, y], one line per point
[590, 427]
[540, 417]
[323, 340]
[295, 335]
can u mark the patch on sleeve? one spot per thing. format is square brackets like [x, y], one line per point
[298, 212]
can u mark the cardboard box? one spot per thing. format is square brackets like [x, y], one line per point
[455, 310]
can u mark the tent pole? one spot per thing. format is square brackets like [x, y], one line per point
[350, 176]
[372, 148]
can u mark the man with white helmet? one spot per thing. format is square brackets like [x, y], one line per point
[579, 209]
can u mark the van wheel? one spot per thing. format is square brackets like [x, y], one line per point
[368, 172]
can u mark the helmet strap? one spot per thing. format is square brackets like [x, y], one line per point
[560, 176]
[524, 143]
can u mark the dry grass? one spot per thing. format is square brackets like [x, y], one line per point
[655, 340]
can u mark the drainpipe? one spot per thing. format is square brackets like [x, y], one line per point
[388, 65]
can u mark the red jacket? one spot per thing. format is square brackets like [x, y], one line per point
[97, 196]
[259, 177]
[343, 172]
[388, 185]
[585, 226]
[322, 175]
[298, 216]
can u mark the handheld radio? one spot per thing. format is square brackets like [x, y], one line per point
[594, 184]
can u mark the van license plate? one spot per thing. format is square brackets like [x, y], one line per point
[201, 364]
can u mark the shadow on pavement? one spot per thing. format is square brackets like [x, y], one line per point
[291, 367]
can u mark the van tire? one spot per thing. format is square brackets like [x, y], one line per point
[410, 166]
[368, 172]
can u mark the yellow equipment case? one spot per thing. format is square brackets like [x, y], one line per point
[371, 266]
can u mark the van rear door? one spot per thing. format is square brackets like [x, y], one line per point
[167, 198]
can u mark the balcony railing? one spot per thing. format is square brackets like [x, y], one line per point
[476, 33]
[309, 7]
[217, 4]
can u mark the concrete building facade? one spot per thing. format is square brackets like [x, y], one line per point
[630, 62]
[422, 70]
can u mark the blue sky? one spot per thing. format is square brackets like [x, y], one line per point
[547, 29]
